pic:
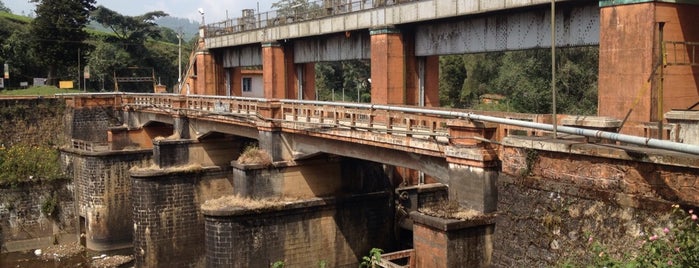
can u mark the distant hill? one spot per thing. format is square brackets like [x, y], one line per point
[189, 27]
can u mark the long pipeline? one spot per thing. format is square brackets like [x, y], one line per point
[650, 142]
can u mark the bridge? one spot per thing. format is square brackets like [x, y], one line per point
[467, 151]
[334, 154]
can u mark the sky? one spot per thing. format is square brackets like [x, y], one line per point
[214, 10]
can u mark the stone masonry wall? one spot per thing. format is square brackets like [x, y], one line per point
[91, 124]
[168, 226]
[23, 226]
[302, 234]
[552, 206]
[103, 186]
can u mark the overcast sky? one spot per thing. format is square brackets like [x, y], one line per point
[214, 10]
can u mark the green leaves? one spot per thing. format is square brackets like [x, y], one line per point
[24, 163]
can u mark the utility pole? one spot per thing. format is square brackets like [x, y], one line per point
[553, 66]
[79, 70]
[179, 61]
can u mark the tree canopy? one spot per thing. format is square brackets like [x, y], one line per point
[523, 79]
[4, 8]
[60, 35]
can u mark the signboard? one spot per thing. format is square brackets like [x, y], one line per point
[86, 72]
[65, 84]
[39, 82]
[24, 84]
[2, 83]
[7, 71]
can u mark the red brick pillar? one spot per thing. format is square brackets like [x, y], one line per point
[629, 52]
[236, 82]
[388, 67]
[431, 78]
[277, 75]
[440, 242]
[309, 81]
[204, 74]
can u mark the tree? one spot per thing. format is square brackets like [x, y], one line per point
[59, 29]
[452, 74]
[294, 10]
[4, 8]
[131, 31]
[107, 58]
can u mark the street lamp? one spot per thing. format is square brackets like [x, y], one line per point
[201, 11]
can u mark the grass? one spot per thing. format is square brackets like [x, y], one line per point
[236, 201]
[17, 18]
[37, 91]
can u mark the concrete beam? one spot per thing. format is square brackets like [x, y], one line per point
[302, 145]
[404, 13]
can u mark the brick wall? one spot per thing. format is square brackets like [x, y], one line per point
[168, 226]
[91, 124]
[546, 218]
[21, 218]
[440, 242]
[336, 231]
[103, 187]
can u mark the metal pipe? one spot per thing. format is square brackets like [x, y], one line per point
[650, 142]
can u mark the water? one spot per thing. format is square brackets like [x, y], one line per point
[29, 260]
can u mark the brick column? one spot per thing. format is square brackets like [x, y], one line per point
[440, 242]
[388, 67]
[629, 52]
[473, 165]
[236, 82]
[275, 70]
[431, 84]
[309, 81]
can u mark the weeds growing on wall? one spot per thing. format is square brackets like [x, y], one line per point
[673, 245]
[373, 259]
[24, 163]
[253, 155]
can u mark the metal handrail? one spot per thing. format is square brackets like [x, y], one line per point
[612, 136]
[313, 10]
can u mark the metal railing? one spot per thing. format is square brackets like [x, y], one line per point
[310, 11]
[681, 53]
[388, 118]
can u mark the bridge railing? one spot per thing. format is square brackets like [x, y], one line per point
[364, 116]
[310, 11]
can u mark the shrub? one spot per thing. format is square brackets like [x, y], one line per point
[252, 155]
[674, 245]
[23, 163]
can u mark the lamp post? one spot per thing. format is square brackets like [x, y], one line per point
[179, 61]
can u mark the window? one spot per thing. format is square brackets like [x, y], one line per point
[247, 84]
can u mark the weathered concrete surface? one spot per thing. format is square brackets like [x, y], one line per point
[628, 54]
[23, 225]
[687, 126]
[287, 179]
[168, 226]
[555, 197]
[446, 243]
[103, 193]
[337, 231]
[405, 13]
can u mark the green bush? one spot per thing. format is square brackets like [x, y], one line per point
[675, 245]
[23, 163]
